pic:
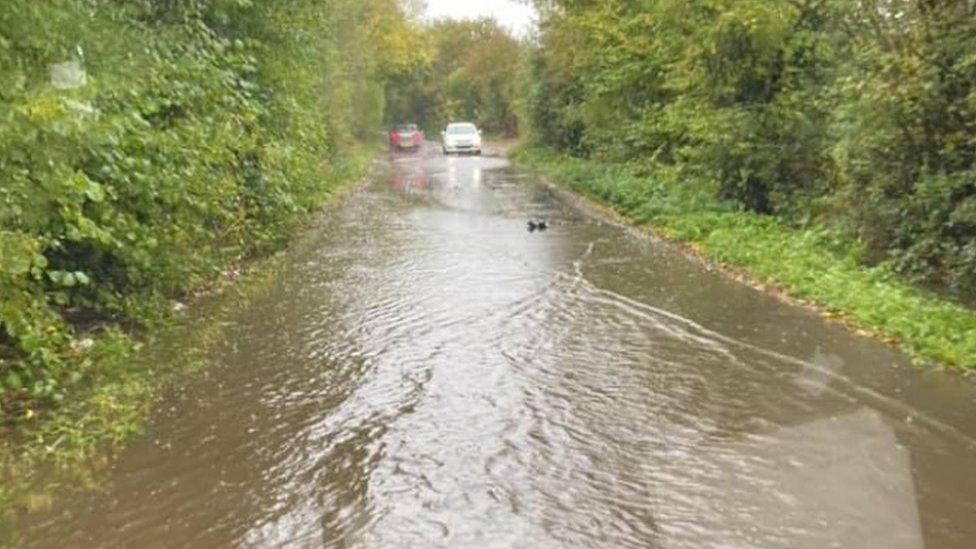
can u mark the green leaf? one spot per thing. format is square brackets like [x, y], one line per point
[64, 278]
[13, 381]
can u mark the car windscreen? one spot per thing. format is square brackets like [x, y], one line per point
[406, 128]
[462, 129]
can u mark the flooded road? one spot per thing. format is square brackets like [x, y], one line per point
[428, 373]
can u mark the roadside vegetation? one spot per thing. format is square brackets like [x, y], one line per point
[814, 263]
[827, 146]
[147, 150]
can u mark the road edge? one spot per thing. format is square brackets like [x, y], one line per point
[608, 212]
[74, 445]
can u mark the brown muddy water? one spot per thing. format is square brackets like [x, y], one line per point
[427, 373]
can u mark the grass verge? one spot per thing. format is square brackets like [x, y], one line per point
[71, 445]
[815, 264]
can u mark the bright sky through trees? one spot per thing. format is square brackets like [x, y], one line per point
[510, 14]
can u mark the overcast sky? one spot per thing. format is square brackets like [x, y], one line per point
[512, 15]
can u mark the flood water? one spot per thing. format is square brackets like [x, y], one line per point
[428, 373]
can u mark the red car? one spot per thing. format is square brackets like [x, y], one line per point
[406, 137]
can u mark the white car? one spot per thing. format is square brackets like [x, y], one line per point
[461, 137]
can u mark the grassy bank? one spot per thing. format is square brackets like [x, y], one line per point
[809, 263]
[69, 445]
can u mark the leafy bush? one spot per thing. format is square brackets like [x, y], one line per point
[906, 147]
[852, 114]
[148, 145]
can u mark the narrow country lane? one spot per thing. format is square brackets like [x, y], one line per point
[427, 372]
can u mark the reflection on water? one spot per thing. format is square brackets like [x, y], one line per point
[819, 370]
[841, 481]
[411, 175]
[428, 373]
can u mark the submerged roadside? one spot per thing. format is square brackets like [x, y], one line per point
[812, 266]
[71, 444]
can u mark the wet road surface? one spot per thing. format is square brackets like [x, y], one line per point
[427, 373]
